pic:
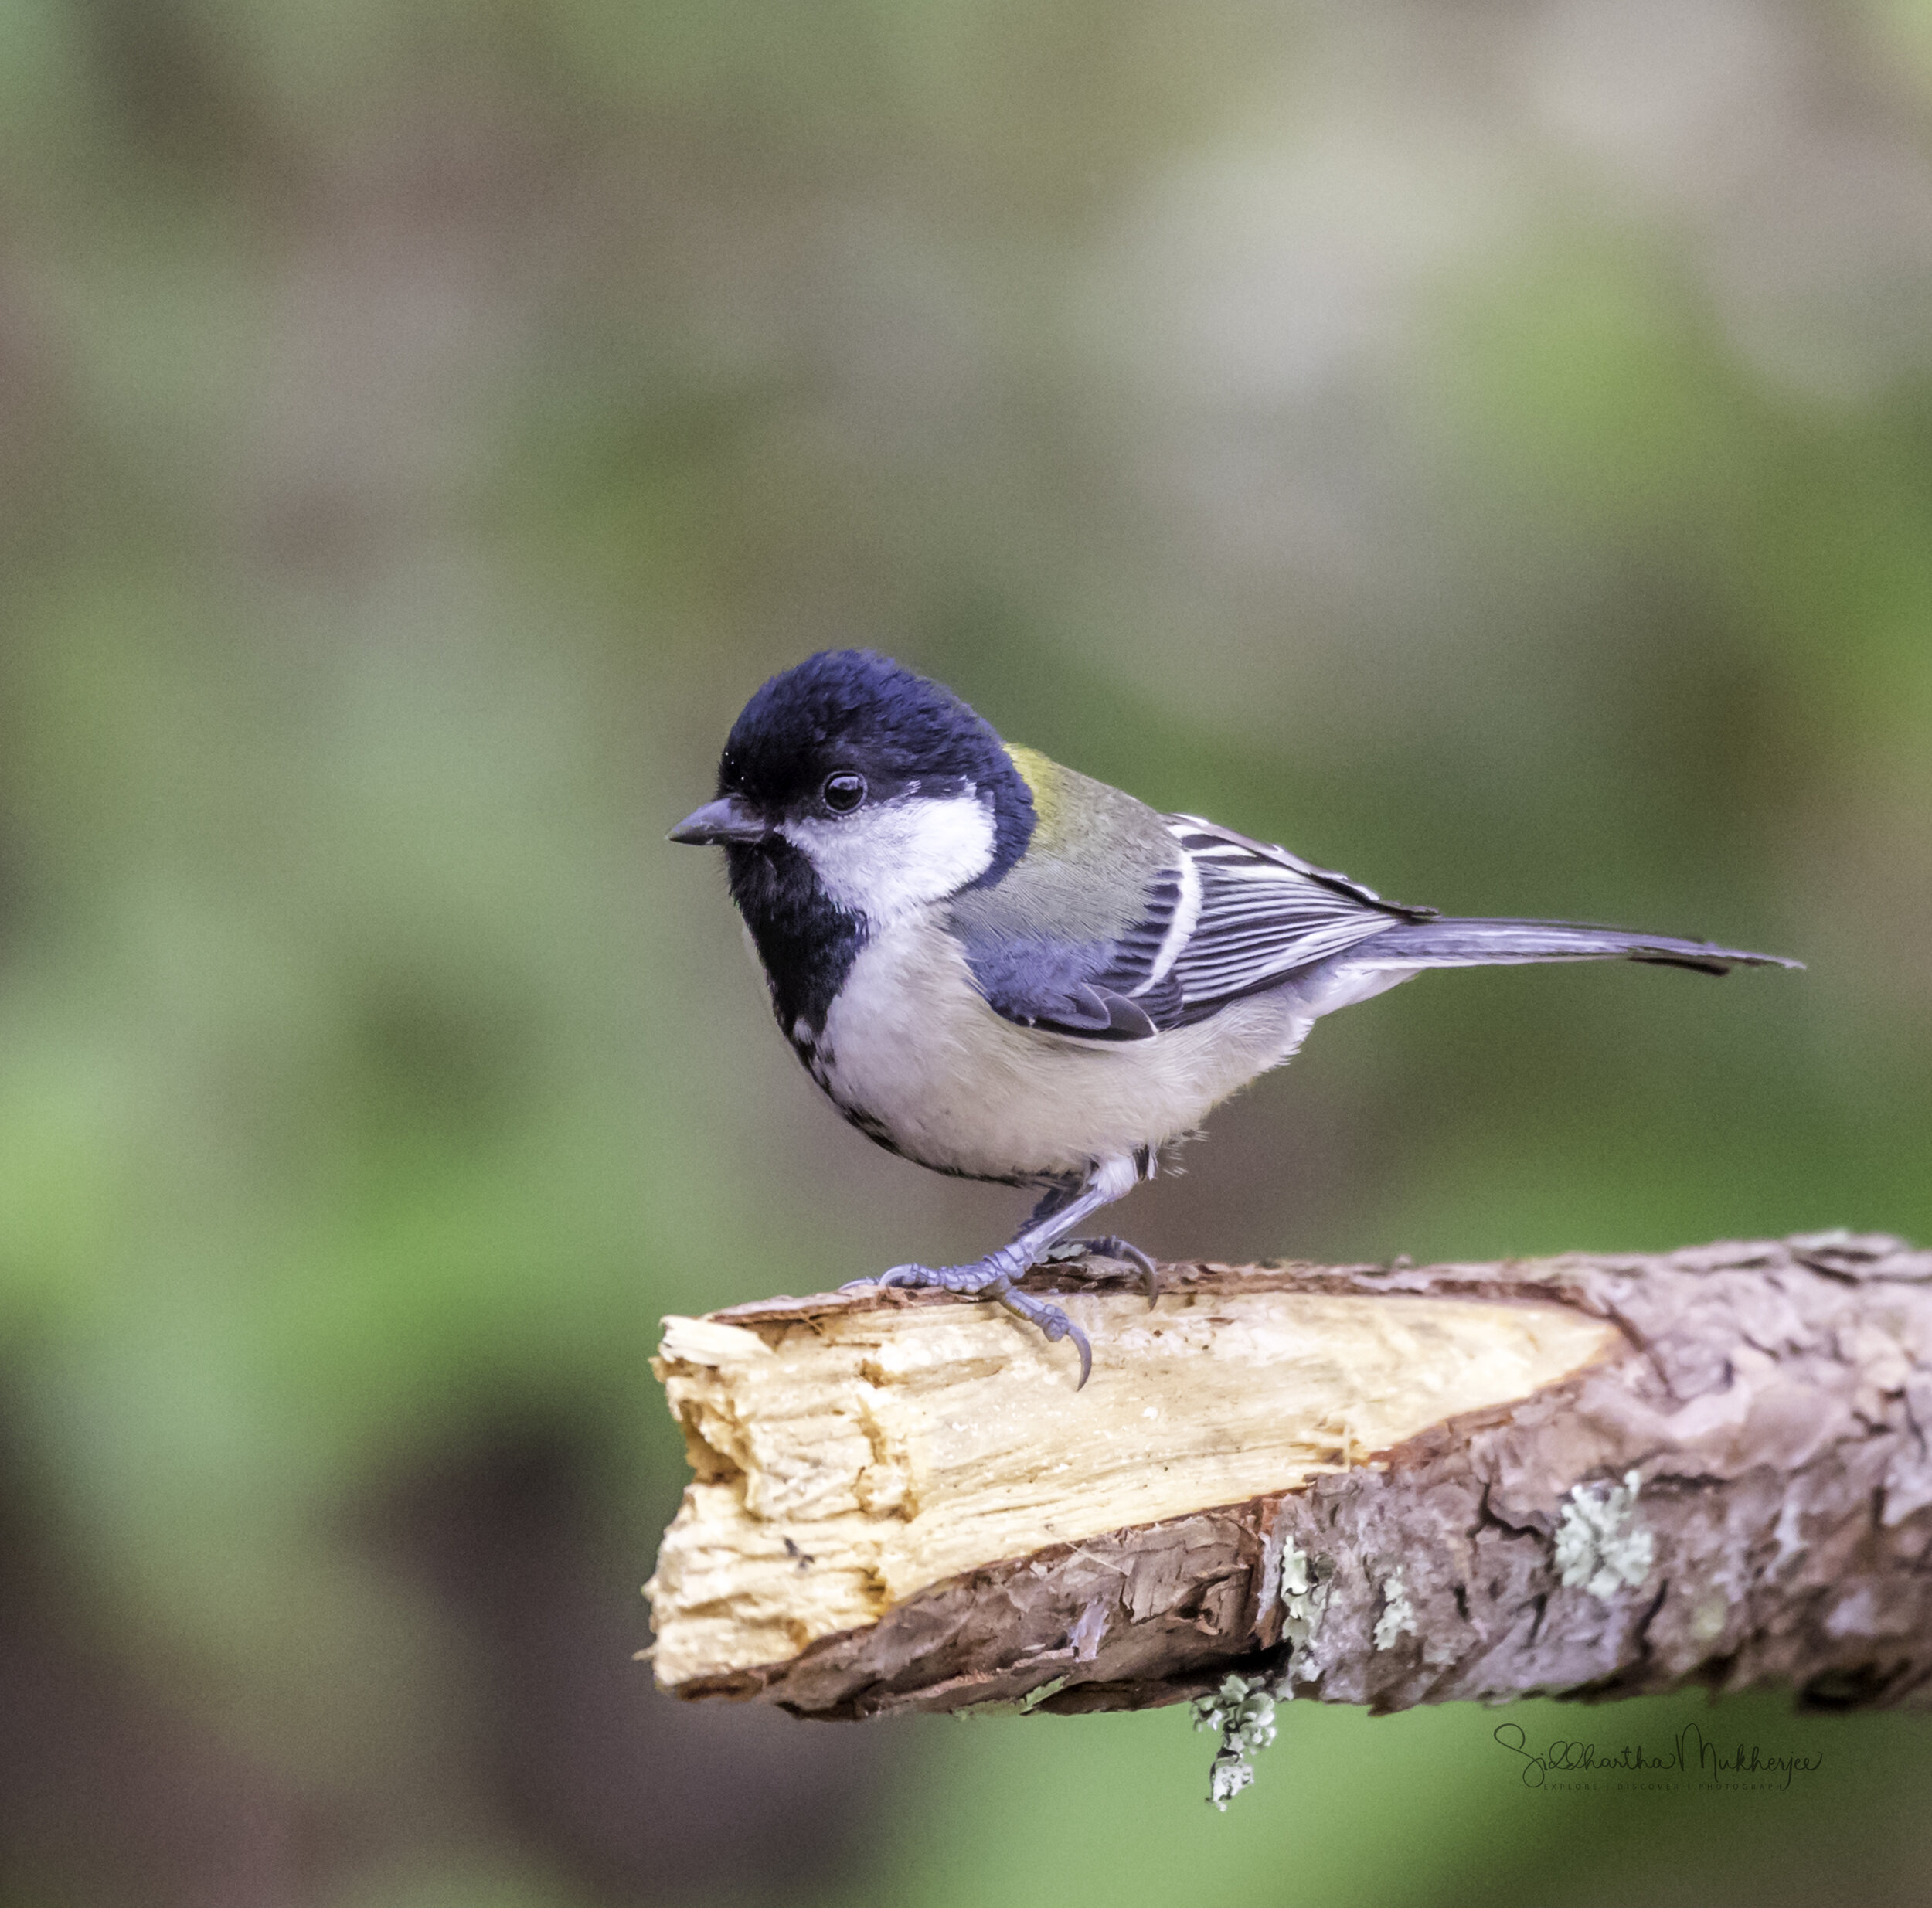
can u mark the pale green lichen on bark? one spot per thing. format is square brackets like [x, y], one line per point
[1242, 1711]
[1304, 1593]
[1600, 1548]
[1303, 1596]
[1034, 1697]
[1398, 1617]
[1016, 1706]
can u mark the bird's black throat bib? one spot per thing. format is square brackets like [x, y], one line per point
[806, 941]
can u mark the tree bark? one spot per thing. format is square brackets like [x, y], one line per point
[1591, 1476]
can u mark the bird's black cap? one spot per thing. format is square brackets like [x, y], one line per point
[853, 709]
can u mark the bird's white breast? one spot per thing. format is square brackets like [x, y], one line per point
[911, 1048]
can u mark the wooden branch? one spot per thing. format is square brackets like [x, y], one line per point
[1591, 1476]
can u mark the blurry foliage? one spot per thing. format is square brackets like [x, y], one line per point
[1490, 449]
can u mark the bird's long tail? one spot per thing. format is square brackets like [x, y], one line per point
[1481, 944]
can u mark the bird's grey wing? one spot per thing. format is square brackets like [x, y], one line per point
[1111, 987]
[1230, 917]
[1234, 916]
[1262, 915]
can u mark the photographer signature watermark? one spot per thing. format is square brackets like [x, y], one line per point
[1691, 1760]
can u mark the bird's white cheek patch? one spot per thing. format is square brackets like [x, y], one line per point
[884, 861]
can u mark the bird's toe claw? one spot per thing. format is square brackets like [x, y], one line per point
[1111, 1246]
[1054, 1324]
[968, 1281]
[990, 1278]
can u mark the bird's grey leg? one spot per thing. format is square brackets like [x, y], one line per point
[993, 1276]
[1146, 1163]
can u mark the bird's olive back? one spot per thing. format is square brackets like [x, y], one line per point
[1095, 853]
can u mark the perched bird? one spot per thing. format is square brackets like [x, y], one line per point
[1004, 970]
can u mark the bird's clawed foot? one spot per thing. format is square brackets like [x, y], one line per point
[1111, 1246]
[990, 1277]
[1050, 1319]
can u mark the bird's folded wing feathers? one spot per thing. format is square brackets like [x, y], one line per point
[1265, 914]
[1230, 918]
[1100, 989]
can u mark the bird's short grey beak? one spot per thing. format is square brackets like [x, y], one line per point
[730, 818]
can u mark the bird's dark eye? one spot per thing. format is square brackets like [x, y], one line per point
[843, 793]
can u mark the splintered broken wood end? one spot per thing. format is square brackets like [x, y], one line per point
[851, 1454]
[1603, 1474]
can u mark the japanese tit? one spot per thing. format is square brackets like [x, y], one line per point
[1002, 969]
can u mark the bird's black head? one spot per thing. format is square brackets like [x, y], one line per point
[850, 713]
[848, 731]
[850, 787]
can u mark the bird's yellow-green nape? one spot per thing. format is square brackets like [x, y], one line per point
[1046, 782]
[1093, 854]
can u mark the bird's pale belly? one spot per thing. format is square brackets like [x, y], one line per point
[912, 1053]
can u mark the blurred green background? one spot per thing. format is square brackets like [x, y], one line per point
[1486, 446]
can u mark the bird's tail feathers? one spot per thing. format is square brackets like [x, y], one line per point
[1481, 944]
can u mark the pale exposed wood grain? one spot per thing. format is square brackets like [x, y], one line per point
[903, 1503]
[898, 1448]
